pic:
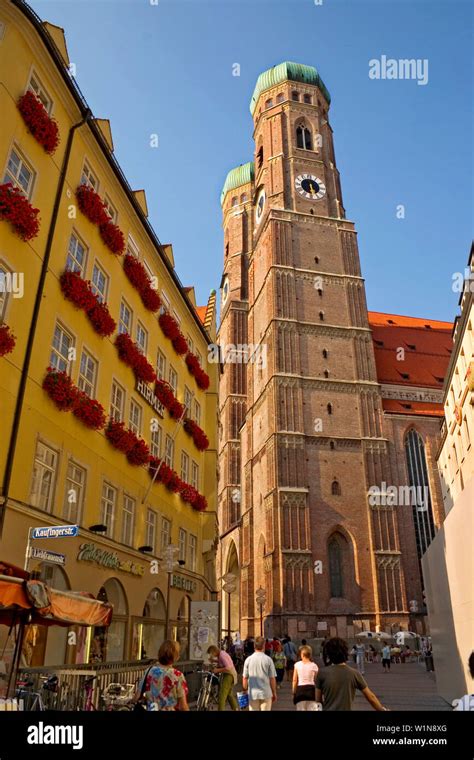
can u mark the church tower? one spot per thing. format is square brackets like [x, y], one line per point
[301, 437]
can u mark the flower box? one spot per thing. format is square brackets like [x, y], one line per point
[89, 411]
[200, 504]
[189, 494]
[41, 125]
[112, 237]
[199, 437]
[202, 378]
[169, 326]
[132, 356]
[139, 454]
[60, 389]
[120, 438]
[180, 344]
[17, 210]
[164, 393]
[7, 340]
[150, 299]
[91, 205]
[140, 280]
[80, 293]
[176, 409]
[101, 320]
[165, 473]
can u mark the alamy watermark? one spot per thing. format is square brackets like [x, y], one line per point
[403, 68]
[12, 282]
[399, 496]
[238, 353]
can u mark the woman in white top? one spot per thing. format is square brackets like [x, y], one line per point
[304, 677]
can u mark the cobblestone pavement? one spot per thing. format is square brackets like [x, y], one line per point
[407, 687]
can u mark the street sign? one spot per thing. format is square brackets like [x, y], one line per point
[55, 531]
[47, 556]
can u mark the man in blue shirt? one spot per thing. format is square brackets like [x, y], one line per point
[259, 678]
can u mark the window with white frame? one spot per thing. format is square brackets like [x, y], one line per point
[76, 255]
[155, 444]
[19, 173]
[75, 491]
[128, 520]
[135, 422]
[195, 475]
[4, 291]
[44, 477]
[161, 365]
[165, 534]
[169, 451]
[99, 283]
[197, 411]
[141, 337]
[190, 343]
[173, 379]
[182, 536]
[150, 529]
[37, 88]
[199, 356]
[89, 178]
[108, 506]
[176, 316]
[61, 350]
[184, 466]
[132, 248]
[165, 303]
[87, 380]
[188, 398]
[192, 546]
[125, 319]
[110, 209]
[148, 270]
[117, 402]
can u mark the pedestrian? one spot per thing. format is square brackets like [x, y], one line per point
[279, 660]
[304, 677]
[268, 647]
[225, 667]
[336, 684]
[354, 654]
[248, 646]
[259, 678]
[164, 687]
[303, 642]
[291, 657]
[360, 658]
[386, 659]
[467, 701]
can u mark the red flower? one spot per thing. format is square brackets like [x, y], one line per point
[164, 393]
[165, 473]
[175, 483]
[139, 454]
[132, 356]
[119, 437]
[150, 299]
[77, 290]
[89, 411]
[43, 128]
[200, 438]
[101, 320]
[139, 278]
[202, 378]
[200, 503]
[169, 326]
[60, 389]
[180, 344]
[17, 210]
[176, 409]
[189, 494]
[7, 340]
[91, 205]
[112, 237]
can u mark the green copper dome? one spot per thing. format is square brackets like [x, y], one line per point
[241, 175]
[295, 72]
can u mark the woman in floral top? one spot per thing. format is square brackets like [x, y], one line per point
[166, 687]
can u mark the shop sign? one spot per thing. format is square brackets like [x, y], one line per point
[149, 395]
[46, 556]
[55, 531]
[177, 581]
[92, 553]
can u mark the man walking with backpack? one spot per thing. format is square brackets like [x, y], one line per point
[259, 678]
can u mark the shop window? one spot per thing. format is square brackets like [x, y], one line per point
[149, 632]
[108, 644]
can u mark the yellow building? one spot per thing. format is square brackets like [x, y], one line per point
[56, 469]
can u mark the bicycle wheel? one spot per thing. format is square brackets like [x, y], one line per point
[203, 699]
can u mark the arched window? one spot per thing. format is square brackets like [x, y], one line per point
[325, 353]
[329, 408]
[226, 249]
[260, 157]
[243, 197]
[332, 445]
[420, 491]
[326, 374]
[307, 99]
[335, 568]
[268, 103]
[295, 95]
[234, 201]
[321, 316]
[335, 488]
[280, 97]
[303, 138]
[316, 259]
[320, 292]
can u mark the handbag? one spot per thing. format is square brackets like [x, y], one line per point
[140, 704]
[306, 693]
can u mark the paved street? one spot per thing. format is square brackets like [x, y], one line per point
[406, 687]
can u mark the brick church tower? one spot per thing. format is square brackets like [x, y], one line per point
[302, 430]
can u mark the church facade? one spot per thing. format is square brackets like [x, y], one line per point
[329, 414]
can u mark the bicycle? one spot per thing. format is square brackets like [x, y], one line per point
[31, 700]
[208, 697]
[119, 697]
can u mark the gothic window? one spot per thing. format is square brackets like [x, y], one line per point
[268, 103]
[226, 249]
[331, 445]
[335, 488]
[316, 259]
[303, 138]
[420, 490]
[320, 292]
[325, 353]
[260, 157]
[321, 316]
[243, 197]
[307, 98]
[280, 97]
[326, 373]
[335, 568]
[329, 408]
[234, 201]
[295, 95]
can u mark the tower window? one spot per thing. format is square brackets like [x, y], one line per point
[234, 201]
[295, 95]
[316, 259]
[335, 569]
[321, 316]
[243, 197]
[320, 291]
[269, 103]
[226, 249]
[331, 445]
[260, 157]
[307, 98]
[329, 408]
[326, 373]
[335, 488]
[280, 97]
[325, 353]
[303, 138]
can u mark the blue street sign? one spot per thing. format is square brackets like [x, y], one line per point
[47, 556]
[56, 531]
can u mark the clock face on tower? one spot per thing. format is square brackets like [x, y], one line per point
[310, 187]
[260, 205]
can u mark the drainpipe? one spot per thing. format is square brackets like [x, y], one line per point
[34, 322]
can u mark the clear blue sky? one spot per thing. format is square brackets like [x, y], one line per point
[167, 69]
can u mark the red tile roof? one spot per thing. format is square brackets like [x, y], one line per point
[201, 312]
[412, 407]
